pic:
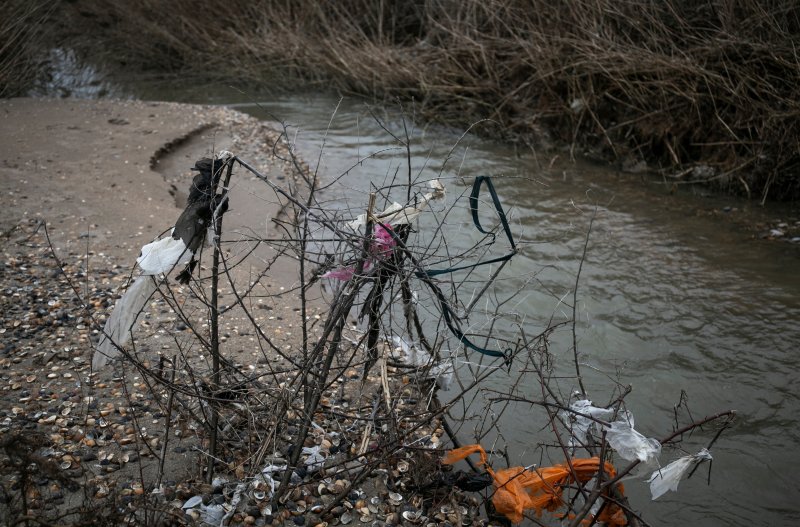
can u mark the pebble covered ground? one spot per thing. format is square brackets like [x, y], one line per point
[102, 440]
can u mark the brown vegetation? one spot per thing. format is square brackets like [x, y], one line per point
[22, 42]
[705, 91]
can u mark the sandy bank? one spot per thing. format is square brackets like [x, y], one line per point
[93, 168]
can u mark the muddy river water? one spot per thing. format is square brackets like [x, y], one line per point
[674, 295]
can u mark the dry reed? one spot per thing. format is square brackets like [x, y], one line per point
[703, 91]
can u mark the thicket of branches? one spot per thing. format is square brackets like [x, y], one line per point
[703, 91]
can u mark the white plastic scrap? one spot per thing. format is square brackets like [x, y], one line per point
[419, 357]
[667, 478]
[193, 502]
[212, 514]
[315, 459]
[581, 424]
[161, 256]
[118, 326]
[231, 508]
[630, 444]
[266, 475]
[397, 214]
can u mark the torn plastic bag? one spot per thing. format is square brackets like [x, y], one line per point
[117, 330]
[413, 355]
[396, 214]
[266, 475]
[630, 444]
[315, 459]
[667, 478]
[580, 423]
[212, 514]
[379, 250]
[518, 489]
[161, 256]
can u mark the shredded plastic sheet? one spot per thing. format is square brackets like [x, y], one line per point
[118, 326]
[381, 248]
[667, 478]
[630, 444]
[209, 514]
[580, 423]
[212, 514]
[157, 257]
[266, 475]
[419, 357]
[161, 256]
[540, 489]
[397, 214]
[315, 459]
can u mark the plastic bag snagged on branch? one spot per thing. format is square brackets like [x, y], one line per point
[581, 424]
[667, 478]
[414, 355]
[630, 444]
[540, 489]
[397, 214]
[380, 248]
[117, 330]
[627, 442]
[161, 256]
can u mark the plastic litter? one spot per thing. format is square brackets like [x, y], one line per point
[397, 214]
[212, 514]
[118, 326]
[315, 459]
[381, 247]
[266, 475]
[416, 356]
[630, 444]
[193, 502]
[667, 478]
[161, 256]
[582, 424]
[518, 489]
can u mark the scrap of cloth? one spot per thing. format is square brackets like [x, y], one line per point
[518, 489]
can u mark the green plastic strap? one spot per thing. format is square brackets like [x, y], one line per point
[473, 207]
[447, 311]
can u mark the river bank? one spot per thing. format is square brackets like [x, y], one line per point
[86, 184]
[671, 309]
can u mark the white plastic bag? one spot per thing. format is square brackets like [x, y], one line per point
[161, 256]
[580, 423]
[414, 355]
[395, 214]
[266, 475]
[667, 478]
[630, 444]
[117, 329]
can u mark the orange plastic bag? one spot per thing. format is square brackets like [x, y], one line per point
[518, 490]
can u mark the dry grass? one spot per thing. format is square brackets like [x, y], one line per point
[22, 43]
[702, 90]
